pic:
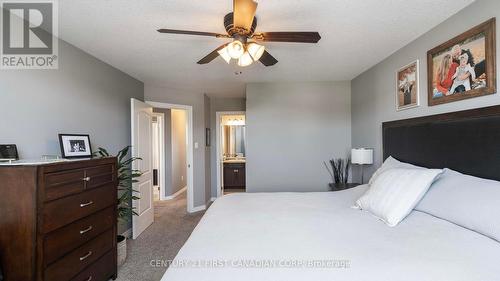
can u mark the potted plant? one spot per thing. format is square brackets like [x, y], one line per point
[339, 171]
[126, 179]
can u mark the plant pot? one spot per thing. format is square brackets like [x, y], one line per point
[121, 249]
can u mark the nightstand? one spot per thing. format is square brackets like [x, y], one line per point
[342, 186]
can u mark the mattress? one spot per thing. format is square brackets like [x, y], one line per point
[318, 236]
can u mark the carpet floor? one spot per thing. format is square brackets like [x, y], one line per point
[160, 241]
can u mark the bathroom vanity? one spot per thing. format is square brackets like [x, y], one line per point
[234, 175]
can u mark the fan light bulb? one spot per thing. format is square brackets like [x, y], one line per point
[223, 53]
[245, 60]
[235, 49]
[255, 50]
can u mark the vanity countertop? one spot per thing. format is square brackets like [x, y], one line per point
[234, 161]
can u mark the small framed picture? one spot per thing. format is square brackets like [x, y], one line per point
[407, 92]
[75, 146]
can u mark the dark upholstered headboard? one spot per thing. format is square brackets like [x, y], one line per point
[466, 141]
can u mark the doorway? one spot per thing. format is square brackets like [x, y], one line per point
[176, 173]
[158, 156]
[231, 152]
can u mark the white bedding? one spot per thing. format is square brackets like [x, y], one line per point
[260, 229]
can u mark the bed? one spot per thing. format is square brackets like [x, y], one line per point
[319, 236]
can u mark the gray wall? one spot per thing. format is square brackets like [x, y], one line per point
[220, 104]
[196, 100]
[84, 96]
[291, 129]
[373, 92]
[179, 161]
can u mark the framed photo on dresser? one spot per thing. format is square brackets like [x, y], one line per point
[463, 67]
[75, 146]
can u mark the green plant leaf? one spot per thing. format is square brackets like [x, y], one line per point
[125, 177]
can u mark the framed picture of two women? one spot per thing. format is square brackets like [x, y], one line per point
[463, 67]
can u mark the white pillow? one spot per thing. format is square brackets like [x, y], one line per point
[395, 192]
[468, 201]
[391, 163]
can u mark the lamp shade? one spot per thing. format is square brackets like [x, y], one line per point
[362, 156]
[224, 54]
[235, 49]
[245, 60]
[255, 50]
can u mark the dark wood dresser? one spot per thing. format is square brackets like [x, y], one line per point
[58, 221]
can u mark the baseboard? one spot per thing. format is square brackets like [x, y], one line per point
[176, 194]
[198, 208]
[127, 233]
[213, 199]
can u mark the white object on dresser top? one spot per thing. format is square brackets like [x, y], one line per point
[31, 162]
[322, 225]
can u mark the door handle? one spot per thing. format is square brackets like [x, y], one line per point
[236, 171]
[86, 256]
[86, 179]
[86, 204]
[83, 231]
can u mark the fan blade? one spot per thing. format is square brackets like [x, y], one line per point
[298, 37]
[268, 60]
[188, 32]
[210, 57]
[244, 12]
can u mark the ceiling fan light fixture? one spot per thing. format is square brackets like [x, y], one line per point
[223, 53]
[255, 50]
[245, 59]
[235, 49]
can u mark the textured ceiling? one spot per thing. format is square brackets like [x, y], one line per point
[356, 34]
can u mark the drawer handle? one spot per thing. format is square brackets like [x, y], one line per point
[86, 179]
[86, 204]
[236, 171]
[86, 230]
[89, 279]
[86, 256]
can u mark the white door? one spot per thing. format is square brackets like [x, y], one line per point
[142, 146]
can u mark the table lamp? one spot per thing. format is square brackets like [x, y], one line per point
[362, 156]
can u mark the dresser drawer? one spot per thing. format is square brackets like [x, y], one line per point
[58, 185]
[99, 175]
[63, 211]
[65, 239]
[65, 183]
[101, 270]
[70, 265]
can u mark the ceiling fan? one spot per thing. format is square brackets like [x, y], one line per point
[240, 26]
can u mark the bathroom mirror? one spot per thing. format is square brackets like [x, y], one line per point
[233, 141]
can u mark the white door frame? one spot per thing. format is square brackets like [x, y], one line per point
[161, 133]
[218, 115]
[190, 162]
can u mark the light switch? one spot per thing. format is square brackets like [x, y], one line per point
[196, 145]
